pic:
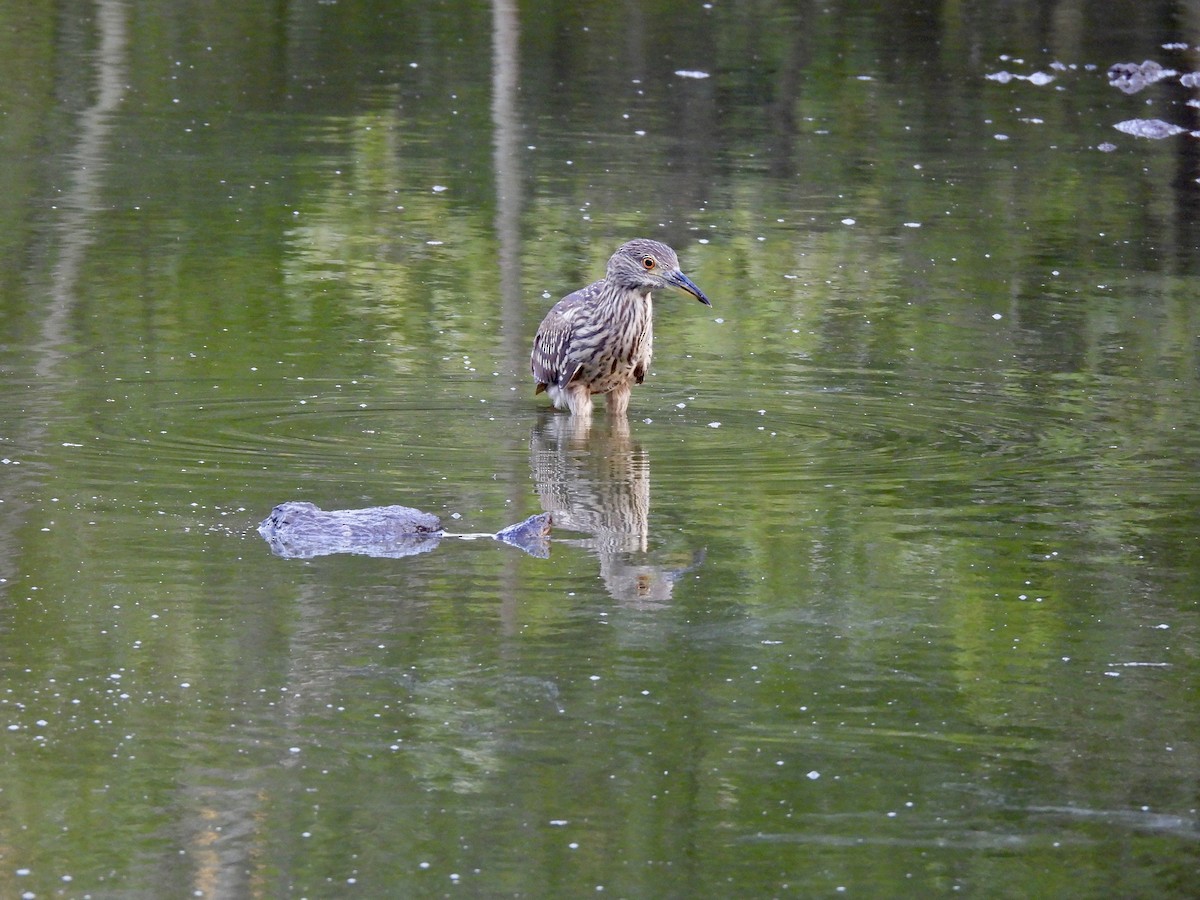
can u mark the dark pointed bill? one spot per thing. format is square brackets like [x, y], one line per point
[684, 283]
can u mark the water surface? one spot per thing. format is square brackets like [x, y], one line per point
[888, 585]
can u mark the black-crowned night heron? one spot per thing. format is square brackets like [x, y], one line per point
[598, 339]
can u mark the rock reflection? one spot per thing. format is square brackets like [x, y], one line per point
[595, 479]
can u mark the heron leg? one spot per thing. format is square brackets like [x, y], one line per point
[575, 397]
[579, 400]
[618, 400]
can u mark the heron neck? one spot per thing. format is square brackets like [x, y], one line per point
[637, 295]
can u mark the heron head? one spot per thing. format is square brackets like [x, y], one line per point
[644, 264]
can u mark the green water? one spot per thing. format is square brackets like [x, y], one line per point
[888, 587]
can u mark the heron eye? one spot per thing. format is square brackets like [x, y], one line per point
[648, 262]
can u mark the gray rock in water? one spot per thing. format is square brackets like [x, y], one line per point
[532, 535]
[302, 530]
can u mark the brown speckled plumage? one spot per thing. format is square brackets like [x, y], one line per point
[599, 339]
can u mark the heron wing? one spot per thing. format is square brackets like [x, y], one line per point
[551, 359]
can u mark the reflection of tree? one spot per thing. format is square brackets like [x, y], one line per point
[85, 164]
[506, 131]
[1186, 183]
[596, 480]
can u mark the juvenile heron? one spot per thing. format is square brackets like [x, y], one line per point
[598, 339]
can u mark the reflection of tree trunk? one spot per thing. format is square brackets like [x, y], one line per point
[217, 824]
[781, 111]
[79, 199]
[507, 161]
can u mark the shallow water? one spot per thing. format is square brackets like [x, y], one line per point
[887, 586]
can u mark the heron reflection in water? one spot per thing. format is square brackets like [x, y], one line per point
[596, 480]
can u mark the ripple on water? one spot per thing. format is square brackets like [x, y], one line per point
[330, 426]
[871, 421]
[946, 441]
[951, 447]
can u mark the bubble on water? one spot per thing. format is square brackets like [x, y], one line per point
[691, 73]
[1152, 129]
[813, 775]
[1038, 79]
